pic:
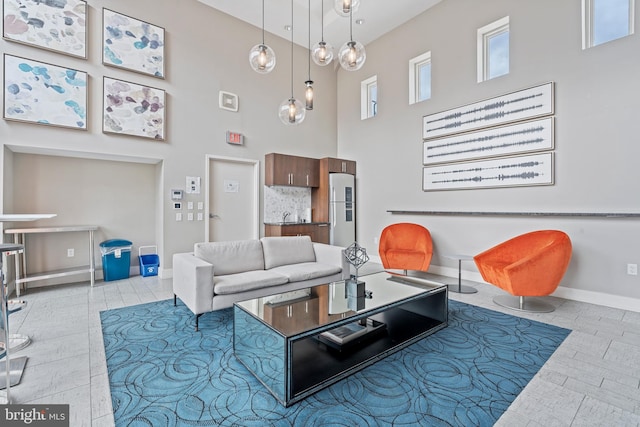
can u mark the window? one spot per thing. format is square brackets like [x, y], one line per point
[493, 50]
[369, 97]
[606, 20]
[420, 78]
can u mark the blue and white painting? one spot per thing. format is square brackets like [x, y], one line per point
[132, 44]
[46, 94]
[58, 25]
[133, 109]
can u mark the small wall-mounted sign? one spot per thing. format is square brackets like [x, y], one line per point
[235, 138]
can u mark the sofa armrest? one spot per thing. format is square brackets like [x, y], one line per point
[332, 255]
[193, 282]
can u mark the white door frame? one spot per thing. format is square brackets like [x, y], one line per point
[256, 191]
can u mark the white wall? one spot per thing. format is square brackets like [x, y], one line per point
[596, 137]
[206, 51]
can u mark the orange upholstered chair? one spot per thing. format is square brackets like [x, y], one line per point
[529, 265]
[406, 246]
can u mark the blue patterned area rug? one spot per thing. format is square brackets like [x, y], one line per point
[163, 373]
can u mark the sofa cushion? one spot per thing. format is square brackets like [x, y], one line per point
[287, 250]
[306, 271]
[231, 257]
[247, 281]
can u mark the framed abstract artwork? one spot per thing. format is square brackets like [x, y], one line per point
[132, 44]
[133, 109]
[42, 93]
[522, 105]
[57, 25]
[521, 137]
[527, 170]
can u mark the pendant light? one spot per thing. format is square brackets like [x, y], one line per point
[322, 52]
[344, 7]
[308, 92]
[352, 54]
[291, 111]
[261, 57]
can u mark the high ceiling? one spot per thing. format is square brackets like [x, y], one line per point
[378, 16]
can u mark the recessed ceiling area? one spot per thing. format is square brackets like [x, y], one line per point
[378, 18]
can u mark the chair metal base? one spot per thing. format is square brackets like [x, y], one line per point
[528, 304]
[16, 368]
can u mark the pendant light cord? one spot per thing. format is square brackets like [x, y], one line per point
[309, 42]
[263, 22]
[351, 22]
[292, 49]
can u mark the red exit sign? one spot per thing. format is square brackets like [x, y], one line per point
[235, 138]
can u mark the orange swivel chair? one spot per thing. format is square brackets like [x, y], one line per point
[529, 265]
[405, 246]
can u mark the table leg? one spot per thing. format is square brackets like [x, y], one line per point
[460, 288]
[92, 259]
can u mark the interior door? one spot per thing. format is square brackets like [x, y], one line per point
[233, 199]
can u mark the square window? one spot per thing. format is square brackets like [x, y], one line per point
[606, 20]
[369, 98]
[493, 50]
[420, 78]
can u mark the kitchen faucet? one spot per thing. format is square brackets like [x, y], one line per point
[285, 215]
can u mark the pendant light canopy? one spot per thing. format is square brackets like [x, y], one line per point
[291, 111]
[352, 54]
[261, 57]
[322, 52]
[345, 7]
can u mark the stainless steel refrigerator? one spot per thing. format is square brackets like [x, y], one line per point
[342, 209]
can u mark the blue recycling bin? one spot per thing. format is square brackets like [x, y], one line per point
[116, 259]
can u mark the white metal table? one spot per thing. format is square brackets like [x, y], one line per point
[459, 287]
[21, 262]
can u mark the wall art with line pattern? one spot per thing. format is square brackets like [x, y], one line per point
[521, 137]
[517, 106]
[527, 170]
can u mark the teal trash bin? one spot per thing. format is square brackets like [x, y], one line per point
[116, 259]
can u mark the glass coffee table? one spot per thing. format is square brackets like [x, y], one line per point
[300, 342]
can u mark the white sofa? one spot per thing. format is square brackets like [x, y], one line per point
[217, 274]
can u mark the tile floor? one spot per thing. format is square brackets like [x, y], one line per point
[593, 379]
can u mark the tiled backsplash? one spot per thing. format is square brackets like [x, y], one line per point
[280, 199]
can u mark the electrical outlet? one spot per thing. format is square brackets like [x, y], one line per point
[70, 253]
[632, 269]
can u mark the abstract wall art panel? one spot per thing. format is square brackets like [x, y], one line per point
[57, 25]
[132, 44]
[529, 170]
[42, 93]
[517, 106]
[521, 137]
[133, 109]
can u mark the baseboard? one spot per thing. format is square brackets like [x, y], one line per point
[591, 297]
[165, 273]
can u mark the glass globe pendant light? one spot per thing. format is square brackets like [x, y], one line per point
[344, 7]
[261, 57]
[291, 111]
[352, 54]
[322, 52]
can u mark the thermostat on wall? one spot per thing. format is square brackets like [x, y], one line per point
[176, 194]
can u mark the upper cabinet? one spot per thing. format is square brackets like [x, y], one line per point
[295, 171]
[341, 166]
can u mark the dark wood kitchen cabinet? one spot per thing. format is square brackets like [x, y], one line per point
[294, 171]
[340, 166]
[318, 232]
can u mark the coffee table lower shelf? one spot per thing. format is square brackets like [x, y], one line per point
[292, 368]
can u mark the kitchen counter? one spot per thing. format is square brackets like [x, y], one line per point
[318, 231]
[295, 223]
